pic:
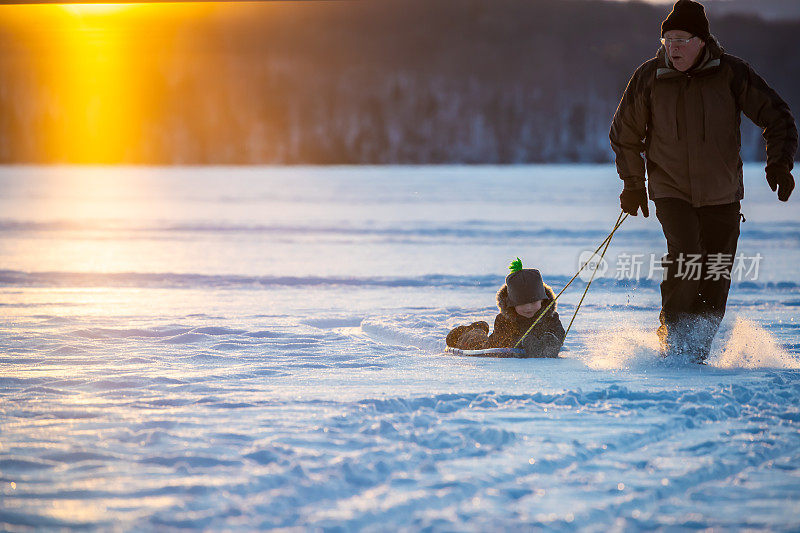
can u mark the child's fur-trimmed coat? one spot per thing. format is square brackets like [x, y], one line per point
[544, 340]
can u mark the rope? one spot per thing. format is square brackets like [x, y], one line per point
[594, 272]
[606, 242]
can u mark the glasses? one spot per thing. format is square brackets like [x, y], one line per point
[680, 42]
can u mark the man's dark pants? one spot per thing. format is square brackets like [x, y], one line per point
[693, 299]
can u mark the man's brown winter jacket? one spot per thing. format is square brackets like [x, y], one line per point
[687, 126]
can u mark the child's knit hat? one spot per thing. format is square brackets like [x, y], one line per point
[524, 284]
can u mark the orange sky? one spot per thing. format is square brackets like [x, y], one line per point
[90, 59]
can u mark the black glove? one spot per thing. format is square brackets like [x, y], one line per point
[632, 199]
[548, 345]
[783, 181]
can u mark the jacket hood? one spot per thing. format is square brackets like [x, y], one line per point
[711, 54]
[507, 308]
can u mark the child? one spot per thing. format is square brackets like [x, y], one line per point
[521, 301]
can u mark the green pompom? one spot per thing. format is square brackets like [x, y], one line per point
[515, 266]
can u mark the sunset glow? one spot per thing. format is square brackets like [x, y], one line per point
[94, 70]
[95, 9]
[102, 97]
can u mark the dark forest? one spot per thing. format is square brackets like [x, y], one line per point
[381, 82]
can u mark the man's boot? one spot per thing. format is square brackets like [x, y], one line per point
[673, 336]
[703, 329]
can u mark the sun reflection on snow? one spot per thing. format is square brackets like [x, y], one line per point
[89, 218]
[85, 511]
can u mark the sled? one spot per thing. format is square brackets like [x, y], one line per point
[488, 352]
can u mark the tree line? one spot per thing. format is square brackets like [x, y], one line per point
[380, 82]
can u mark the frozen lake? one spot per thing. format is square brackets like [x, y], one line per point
[256, 347]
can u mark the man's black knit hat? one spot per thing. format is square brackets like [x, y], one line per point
[687, 16]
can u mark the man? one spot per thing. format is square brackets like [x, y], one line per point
[682, 110]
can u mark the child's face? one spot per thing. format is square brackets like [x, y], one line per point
[529, 309]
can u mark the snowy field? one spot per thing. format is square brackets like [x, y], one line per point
[254, 348]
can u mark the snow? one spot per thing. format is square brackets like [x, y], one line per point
[256, 348]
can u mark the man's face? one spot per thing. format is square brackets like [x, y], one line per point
[682, 55]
